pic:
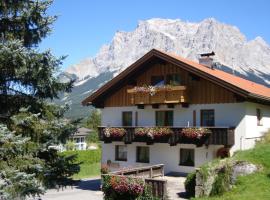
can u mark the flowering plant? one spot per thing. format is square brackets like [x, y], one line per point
[104, 169]
[121, 186]
[151, 89]
[114, 132]
[195, 133]
[153, 132]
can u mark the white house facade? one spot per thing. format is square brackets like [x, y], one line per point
[162, 90]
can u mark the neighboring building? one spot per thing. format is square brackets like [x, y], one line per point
[79, 138]
[185, 94]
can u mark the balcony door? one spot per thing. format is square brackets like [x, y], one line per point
[127, 118]
[164, 118]
[208, 117]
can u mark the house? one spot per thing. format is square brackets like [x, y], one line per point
[79, 138]
[196, 112]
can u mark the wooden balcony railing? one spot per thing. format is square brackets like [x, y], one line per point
[218, 136]
[158, 95]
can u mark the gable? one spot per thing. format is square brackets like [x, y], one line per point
[227, 87]
[199, 91]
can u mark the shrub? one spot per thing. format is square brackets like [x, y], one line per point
[190, 184]
[266, 138]
[222, 181]
[104, 169]
[86, 156]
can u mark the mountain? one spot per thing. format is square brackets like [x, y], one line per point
[234, 53]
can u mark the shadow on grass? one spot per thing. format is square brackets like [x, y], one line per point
[93, 185]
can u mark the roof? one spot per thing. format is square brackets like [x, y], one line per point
[82, 132]
[241, 86]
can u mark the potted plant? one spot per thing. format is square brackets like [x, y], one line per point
[196, 136]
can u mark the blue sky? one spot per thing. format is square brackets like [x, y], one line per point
[84, 26]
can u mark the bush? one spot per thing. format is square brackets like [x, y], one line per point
[86, 156]
[190, 184]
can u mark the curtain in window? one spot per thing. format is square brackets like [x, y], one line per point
[164, 118]
[187, 157]
[127, 118]
[143, 154]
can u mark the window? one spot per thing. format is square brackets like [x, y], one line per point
[259, 117]
[142, 154]
[82, 139]
[157, 80]
[173, 79]
[187, 157]
[164, 118]
[207, 118]
[127, 118]
[121, 153]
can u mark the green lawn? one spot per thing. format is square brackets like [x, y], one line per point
[255, 186]
[90, 166]
[88, 170]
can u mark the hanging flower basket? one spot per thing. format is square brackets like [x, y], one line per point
[115, 134]
[197, 136]
[160, 134]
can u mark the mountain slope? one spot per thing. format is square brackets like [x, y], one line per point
[249, 59]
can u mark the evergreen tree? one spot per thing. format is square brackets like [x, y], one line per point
[30, 127]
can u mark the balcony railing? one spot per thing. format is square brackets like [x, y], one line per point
[218, 136]
[158, 95]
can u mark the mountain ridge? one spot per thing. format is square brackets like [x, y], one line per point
[249, 59]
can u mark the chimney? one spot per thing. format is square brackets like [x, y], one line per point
[206, 60]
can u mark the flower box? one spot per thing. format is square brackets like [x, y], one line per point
[197, 136]
[159, 134]
[113, 134]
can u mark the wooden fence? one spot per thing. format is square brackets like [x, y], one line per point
[144, 172]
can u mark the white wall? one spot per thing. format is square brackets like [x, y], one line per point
[160, 154]
[242, 116]
[253, 131]
[225, 114]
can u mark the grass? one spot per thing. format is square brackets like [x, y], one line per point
[90, 160]
[88, 171]
[255, 186]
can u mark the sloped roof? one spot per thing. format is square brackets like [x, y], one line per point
[82, 132]
[241, 86]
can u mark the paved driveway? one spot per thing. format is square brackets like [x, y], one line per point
[89, 189]
[86, 189]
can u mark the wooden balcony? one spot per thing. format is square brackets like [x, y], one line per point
[218, 136]
[158, 95]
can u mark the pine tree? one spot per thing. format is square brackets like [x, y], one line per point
[30, 126]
